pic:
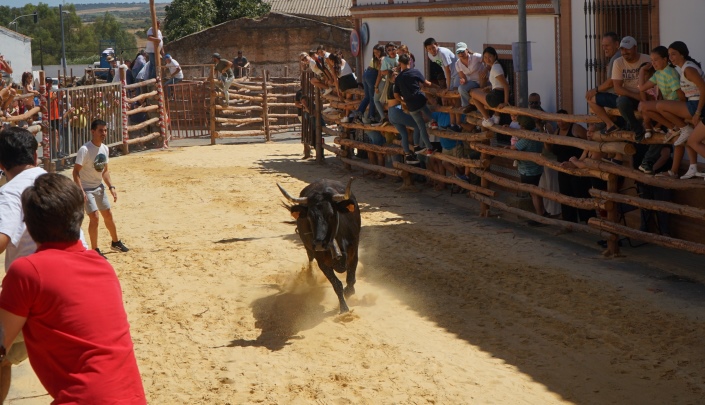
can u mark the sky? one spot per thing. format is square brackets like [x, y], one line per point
[20, 3]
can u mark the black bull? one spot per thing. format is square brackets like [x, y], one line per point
[328, 223]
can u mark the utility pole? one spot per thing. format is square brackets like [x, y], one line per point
[523, 57]
[63, 45]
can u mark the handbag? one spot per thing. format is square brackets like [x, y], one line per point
[385, 92]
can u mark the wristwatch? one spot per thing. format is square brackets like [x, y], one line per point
[111, 187]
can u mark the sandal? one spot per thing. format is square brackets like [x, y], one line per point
[668, 174]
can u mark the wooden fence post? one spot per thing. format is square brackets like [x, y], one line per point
[265, 109]
[46, 134]
[123, 111]
[286, 70]
[612, 216]
[319, 124]
[211, 80]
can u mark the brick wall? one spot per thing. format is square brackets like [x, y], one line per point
[268, 43]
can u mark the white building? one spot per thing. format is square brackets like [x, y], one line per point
[17, 49]
[564, 34]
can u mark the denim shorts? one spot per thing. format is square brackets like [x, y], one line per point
[608, 100]
[692, 107]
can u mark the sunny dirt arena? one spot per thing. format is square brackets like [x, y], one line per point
[450, 308]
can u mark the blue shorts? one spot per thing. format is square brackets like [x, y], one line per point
[608, 100]
[693, 107]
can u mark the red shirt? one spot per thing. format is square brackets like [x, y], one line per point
[77, 334]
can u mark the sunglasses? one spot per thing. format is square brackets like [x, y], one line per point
[534, 103]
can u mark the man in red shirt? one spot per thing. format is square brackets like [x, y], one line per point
[68, 303]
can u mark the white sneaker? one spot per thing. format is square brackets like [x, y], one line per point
[495, 119]
[345, 120]
[647, 134]
[329, 110]
[692, 172]
[685, 133]
[487, 123]
[327, 92]
[672, 133]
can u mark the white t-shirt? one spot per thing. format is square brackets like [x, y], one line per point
[445, 57]
[86, 156]
[149, 48]
[495, 72]
[345, 69]
[173, 65]
[627, 72]
[473, 69]
[12, 217]
[314, 67]
[690, 89]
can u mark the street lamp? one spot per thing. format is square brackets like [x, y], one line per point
[34, 14]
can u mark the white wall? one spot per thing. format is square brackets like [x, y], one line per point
[17, 50]
[684, 23]
[579, 73]
[476, 31]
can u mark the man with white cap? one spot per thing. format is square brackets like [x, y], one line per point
[174, 71]
[469, 66]
[625, 78]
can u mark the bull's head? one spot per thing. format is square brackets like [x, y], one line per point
[321, 209]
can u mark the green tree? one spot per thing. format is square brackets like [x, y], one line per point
[109, 28]
[184, 17]
[227, 10]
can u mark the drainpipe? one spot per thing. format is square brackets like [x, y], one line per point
[523, 57]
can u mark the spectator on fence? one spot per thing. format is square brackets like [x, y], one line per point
[469, 67]
[530, 172]
[598, 95]
[661, 164]
[68, 301]
[89, 172]
[658, 78]
[408, 88]
[312, 61]
[328, 78]
[369, 78]
[5, 66]
[446, 59]
[390, 61]
[138, 63]
[344, 77]
[568, 184]
[496, 95]
[224, 68]
[240, 64]
[625, 79]
[114, 72]
[175, 72]
[154, 48]
[404, 50]
[692, 83]
[28, 88]
[401, 121]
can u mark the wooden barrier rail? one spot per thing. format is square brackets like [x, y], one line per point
[620, 142]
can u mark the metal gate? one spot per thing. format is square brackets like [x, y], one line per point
[188, 107]
[626, 18]
[71, 112]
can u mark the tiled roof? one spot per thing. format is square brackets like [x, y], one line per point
[323, 8]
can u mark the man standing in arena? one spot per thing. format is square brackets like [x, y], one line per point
[89, 172]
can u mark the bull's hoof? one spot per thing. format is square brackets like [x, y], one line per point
[344, 309]
[348, 291]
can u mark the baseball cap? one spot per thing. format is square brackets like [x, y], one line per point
[110, 58]
[216, 55]
[627, 43]
[167, 56]
[460, 47]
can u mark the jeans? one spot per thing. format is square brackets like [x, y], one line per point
[464, 90]
[368, 82]
[627, 106]
[169, 82]
[401, 120]
[152, 66]
[378, 103]
[225, 85]
[418, 117]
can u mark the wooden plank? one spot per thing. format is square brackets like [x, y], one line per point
[144, 109]
[444, 179]
[142, 124]
[371, 167]
[142, 97]
[663, 182]
[663, 206]
[143, 139]
[661, 240]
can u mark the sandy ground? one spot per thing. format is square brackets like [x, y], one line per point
[450, 308]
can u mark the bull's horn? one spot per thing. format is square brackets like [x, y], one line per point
[346, 196]
[300, 200]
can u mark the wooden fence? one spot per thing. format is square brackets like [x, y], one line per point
[493, 161]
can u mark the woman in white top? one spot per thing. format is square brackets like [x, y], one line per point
[343, 75]
[692, 85]
[496, 95]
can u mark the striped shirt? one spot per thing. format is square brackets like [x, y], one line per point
[668, 81]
